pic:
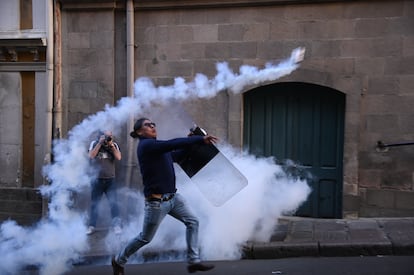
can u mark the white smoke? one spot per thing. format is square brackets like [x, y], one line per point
[59, 239]
[252, 213]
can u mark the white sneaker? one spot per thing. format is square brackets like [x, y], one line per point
[117, 229]
[91, 230]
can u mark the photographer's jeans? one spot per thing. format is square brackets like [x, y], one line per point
[155, 211]
[107, 187]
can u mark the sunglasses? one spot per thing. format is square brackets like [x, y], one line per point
[149, 124]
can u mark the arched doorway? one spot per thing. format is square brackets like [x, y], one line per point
[304, 123]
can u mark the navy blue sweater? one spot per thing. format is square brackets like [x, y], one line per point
[156, 159]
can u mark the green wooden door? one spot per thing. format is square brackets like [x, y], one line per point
[303, 123]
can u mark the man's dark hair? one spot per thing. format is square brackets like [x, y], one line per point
[138, 125]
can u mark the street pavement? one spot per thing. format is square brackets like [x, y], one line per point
[371, 265]
[307, 237]
[299, 237]
[389, 240]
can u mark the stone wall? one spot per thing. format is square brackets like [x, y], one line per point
[88, 58]
[23, 205]
[361, 48]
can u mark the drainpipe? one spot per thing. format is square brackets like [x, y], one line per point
[57, 92]
[49, 84]
[130, 46]
[49, 77]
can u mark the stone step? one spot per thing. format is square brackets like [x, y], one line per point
[23, 205]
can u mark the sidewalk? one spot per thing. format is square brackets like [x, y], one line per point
[306, 237]
[298, 237]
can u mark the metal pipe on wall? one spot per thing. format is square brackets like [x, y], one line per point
[57, 76]
[383, 147]
[130, 46]
[49, 78]
[47, 137]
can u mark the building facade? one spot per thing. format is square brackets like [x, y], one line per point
[70, 58]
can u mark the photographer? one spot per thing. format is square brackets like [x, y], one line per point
[103, 152]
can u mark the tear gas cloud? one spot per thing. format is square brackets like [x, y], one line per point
[59, 239]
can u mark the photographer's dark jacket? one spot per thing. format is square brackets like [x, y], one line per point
[104, 160]
[156, 159]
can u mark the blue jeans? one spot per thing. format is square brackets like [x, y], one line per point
[155, 211]
[107, 187]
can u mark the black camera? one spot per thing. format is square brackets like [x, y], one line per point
[108, 138]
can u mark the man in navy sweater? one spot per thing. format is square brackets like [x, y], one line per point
[156, 159]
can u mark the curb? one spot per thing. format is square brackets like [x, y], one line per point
[275, 250]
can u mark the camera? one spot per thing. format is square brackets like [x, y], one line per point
[108, 138]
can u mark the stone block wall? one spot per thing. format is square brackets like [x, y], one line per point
[361, 48]
[23, 205]
[88, 47]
